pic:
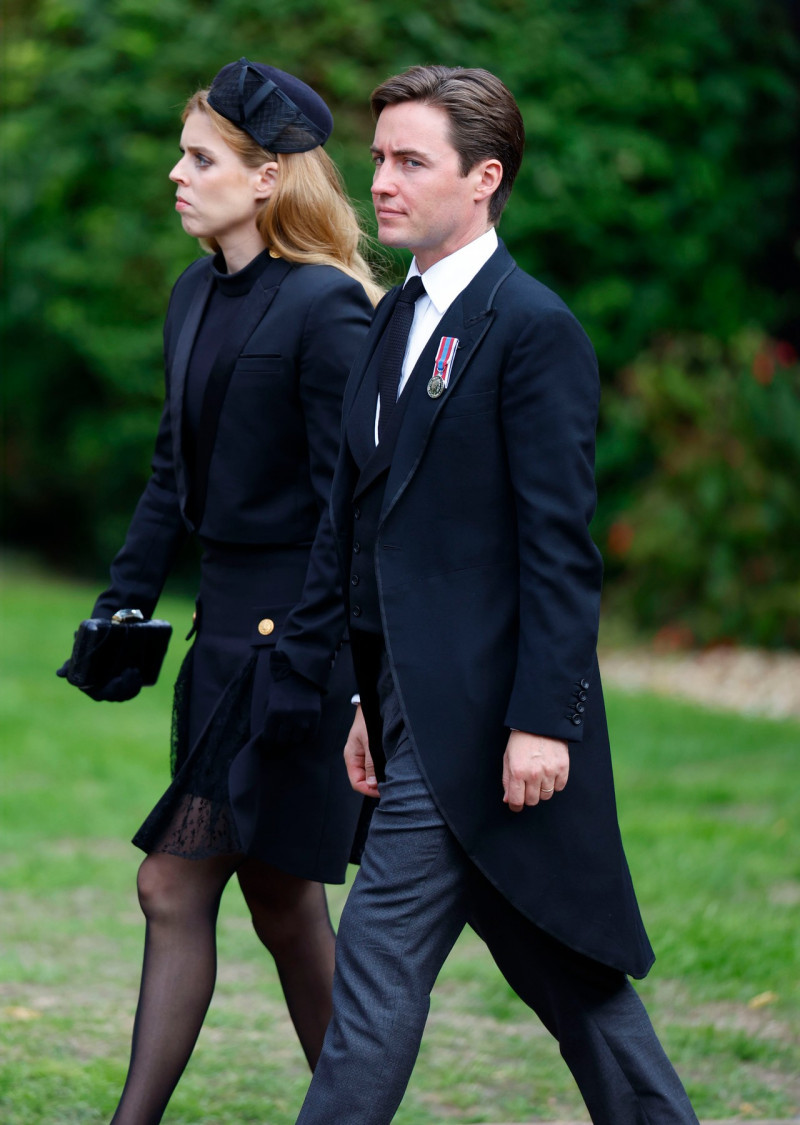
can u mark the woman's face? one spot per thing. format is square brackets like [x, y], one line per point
[218, 196]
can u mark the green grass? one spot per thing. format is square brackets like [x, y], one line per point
[709, 806]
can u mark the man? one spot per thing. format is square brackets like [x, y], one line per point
[460, 508]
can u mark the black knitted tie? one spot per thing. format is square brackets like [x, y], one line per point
[394, 347]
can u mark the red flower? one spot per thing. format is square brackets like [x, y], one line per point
[785, 353]
[620, 538]
[764, 368]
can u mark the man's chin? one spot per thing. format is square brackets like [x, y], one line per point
[390, 235]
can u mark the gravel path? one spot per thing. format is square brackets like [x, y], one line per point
[752, 681]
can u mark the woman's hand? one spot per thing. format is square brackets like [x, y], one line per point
[293, 709]
[117, 690]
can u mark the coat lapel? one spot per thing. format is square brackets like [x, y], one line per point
[361, 396]
[250, 315]
[360, 430]
[241, 327]
[468, 319]
[178, 370]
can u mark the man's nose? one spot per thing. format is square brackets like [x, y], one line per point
[382, 181]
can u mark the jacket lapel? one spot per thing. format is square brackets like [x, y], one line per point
[359, 433]
[177, 375]
[468, 319]
[250, 314]
[360, 429]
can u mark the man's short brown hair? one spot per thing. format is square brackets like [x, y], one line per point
[485, 121]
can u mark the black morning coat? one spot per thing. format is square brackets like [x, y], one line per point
[489, 587]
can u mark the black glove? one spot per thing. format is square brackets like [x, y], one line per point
[294, 706]
[121, 688]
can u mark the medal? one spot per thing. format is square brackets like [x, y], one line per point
[437, 383]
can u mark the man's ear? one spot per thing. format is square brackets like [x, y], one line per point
[267, 179]
[488, 174]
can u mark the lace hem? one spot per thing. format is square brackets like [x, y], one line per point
[193, 818]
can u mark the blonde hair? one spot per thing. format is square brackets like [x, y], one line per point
[308, 219]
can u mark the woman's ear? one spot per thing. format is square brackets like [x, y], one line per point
[267, 180]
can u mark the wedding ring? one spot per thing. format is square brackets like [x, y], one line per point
[548, 790]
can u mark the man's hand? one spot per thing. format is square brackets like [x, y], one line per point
[358, 759]
[534, 767]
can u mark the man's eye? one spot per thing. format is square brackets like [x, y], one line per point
[377, 160]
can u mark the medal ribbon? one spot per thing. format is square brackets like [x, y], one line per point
[444, 357]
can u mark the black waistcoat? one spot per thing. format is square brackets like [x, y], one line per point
[365, 611]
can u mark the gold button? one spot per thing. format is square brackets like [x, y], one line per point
[265, 626]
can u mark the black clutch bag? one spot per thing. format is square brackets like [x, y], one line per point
[105, 647]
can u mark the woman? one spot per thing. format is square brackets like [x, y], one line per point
[259, 339]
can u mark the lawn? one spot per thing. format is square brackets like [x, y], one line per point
[709, 804]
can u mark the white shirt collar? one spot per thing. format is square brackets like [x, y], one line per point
[449, 276]
[443, 283]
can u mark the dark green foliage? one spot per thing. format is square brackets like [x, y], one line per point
[656, 197]
[706, 536]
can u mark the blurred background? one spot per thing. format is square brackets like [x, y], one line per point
[659, 197]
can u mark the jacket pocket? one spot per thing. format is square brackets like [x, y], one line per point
[484, 402]
[261, 366]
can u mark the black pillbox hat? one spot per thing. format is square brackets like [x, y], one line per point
[280, 112]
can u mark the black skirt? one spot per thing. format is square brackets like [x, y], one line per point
[292, 808]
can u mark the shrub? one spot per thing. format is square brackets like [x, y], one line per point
[706, 542]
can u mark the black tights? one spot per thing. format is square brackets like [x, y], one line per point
[180, 899]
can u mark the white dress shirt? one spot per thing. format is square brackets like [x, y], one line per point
[443, 283]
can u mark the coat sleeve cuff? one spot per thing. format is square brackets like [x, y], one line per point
[561, 718]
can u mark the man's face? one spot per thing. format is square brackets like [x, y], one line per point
[421, 200]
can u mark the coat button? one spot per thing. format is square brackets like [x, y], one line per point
[356, 548]
[356, 611]
[266, 626]
[357, 511]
